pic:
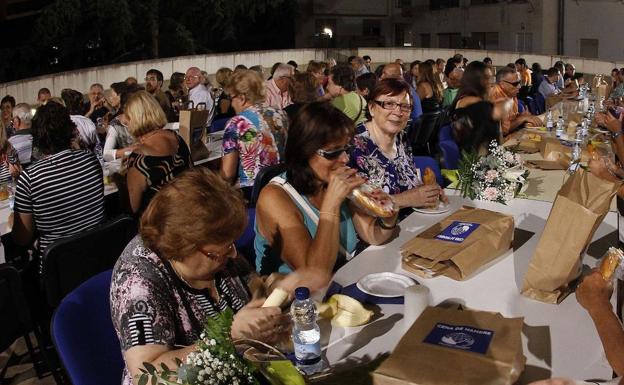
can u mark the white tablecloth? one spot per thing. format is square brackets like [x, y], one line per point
[558, 340]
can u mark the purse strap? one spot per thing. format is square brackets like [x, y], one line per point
[295, 196]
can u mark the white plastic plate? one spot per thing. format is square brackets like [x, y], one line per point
[385, 284]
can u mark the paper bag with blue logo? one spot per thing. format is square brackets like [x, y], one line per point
[459, 245]
[451, 346]
[580, 206]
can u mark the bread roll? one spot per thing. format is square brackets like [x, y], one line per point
[379, 205]
[429, 177]
[277, 298]
[610, 262]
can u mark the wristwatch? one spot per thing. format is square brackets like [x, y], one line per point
[614, 135]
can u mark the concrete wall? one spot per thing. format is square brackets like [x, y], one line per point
[594, 20]
[26, 90]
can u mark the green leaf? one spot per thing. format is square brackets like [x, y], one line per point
[150, 368]
[164, 367]
[143, 379]
[154, 380]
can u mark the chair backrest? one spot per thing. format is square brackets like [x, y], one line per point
[422, 136]
[263, 178]
[15, 318]
[84, 336]
[540, 103]
[450, 154]
[245, 244]
[218, 125]
[446, 133]
[422, 162]
[70, 261]
[531, 105]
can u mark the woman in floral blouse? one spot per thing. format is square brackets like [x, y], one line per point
[255, 137]
[382, 154]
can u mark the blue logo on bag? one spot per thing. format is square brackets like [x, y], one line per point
[460, 337]
[457, 232]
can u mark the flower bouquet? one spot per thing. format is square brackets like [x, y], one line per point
[217, 361]
[498, 176]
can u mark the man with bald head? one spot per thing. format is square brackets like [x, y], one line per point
[197, 91]
[395, 71]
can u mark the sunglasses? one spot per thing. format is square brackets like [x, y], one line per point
[335, 154]
[515, 84]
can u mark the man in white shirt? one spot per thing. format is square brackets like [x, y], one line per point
[87, 130]
[548, 86]
[277, 95]
[198, 92]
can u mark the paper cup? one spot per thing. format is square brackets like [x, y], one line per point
[417, 299]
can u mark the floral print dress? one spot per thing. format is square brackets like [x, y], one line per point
[256, 134]
[394, 176]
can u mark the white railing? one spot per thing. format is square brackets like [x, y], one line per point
[26, 90]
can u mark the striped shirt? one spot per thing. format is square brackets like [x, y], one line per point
[65, 194]
[11, 157]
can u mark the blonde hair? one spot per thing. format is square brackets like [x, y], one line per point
[248, 83]
[222, 76]
[144, 114]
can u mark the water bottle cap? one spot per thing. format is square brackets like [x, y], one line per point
[302, 293]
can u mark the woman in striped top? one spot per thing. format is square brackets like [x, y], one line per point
[62, 193]
[160, 154]
[182, 268]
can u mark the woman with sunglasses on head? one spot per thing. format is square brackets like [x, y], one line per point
[182, 268]
[303, 221]
[382, 152]
[254, 138]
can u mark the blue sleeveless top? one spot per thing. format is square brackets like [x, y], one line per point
[268, 259]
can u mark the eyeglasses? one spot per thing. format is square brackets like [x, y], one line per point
[391, 106]
[191, 77]
[231, 252]
[515, 84]
[335, 154]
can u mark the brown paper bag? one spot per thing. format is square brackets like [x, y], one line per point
[452, 347]
[193, 131]
[578, 210]
[459, 245]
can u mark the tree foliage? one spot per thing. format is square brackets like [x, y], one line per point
[70, 34]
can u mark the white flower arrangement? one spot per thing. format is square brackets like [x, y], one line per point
[215, 362]
[498, 176]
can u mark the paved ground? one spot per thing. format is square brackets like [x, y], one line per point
[22, 373]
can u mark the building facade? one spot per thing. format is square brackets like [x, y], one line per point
[563, 27]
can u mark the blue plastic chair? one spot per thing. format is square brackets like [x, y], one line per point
[446, 133]
[540, 103]
[245, 244]
[450, 154]
[218, 125]
[422, 162]
[531, 105]
[84, 335]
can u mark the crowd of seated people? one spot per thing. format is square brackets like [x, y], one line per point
[330, 127]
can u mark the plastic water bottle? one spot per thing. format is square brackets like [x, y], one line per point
[560, 123]
[306, 334]
[549, 121]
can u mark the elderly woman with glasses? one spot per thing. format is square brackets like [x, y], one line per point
[182, 268]
[303, 221]
[382, 153]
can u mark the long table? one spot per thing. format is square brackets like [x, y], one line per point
[558, 340]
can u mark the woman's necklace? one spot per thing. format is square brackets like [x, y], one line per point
[143, 138]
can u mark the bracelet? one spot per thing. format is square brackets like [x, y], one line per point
[329, 213]
[614, 135]
[384, 226]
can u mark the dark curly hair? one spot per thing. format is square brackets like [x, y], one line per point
[344, 76]
[315, 125]
[74, 101]
[52, 129]
[8, 99]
